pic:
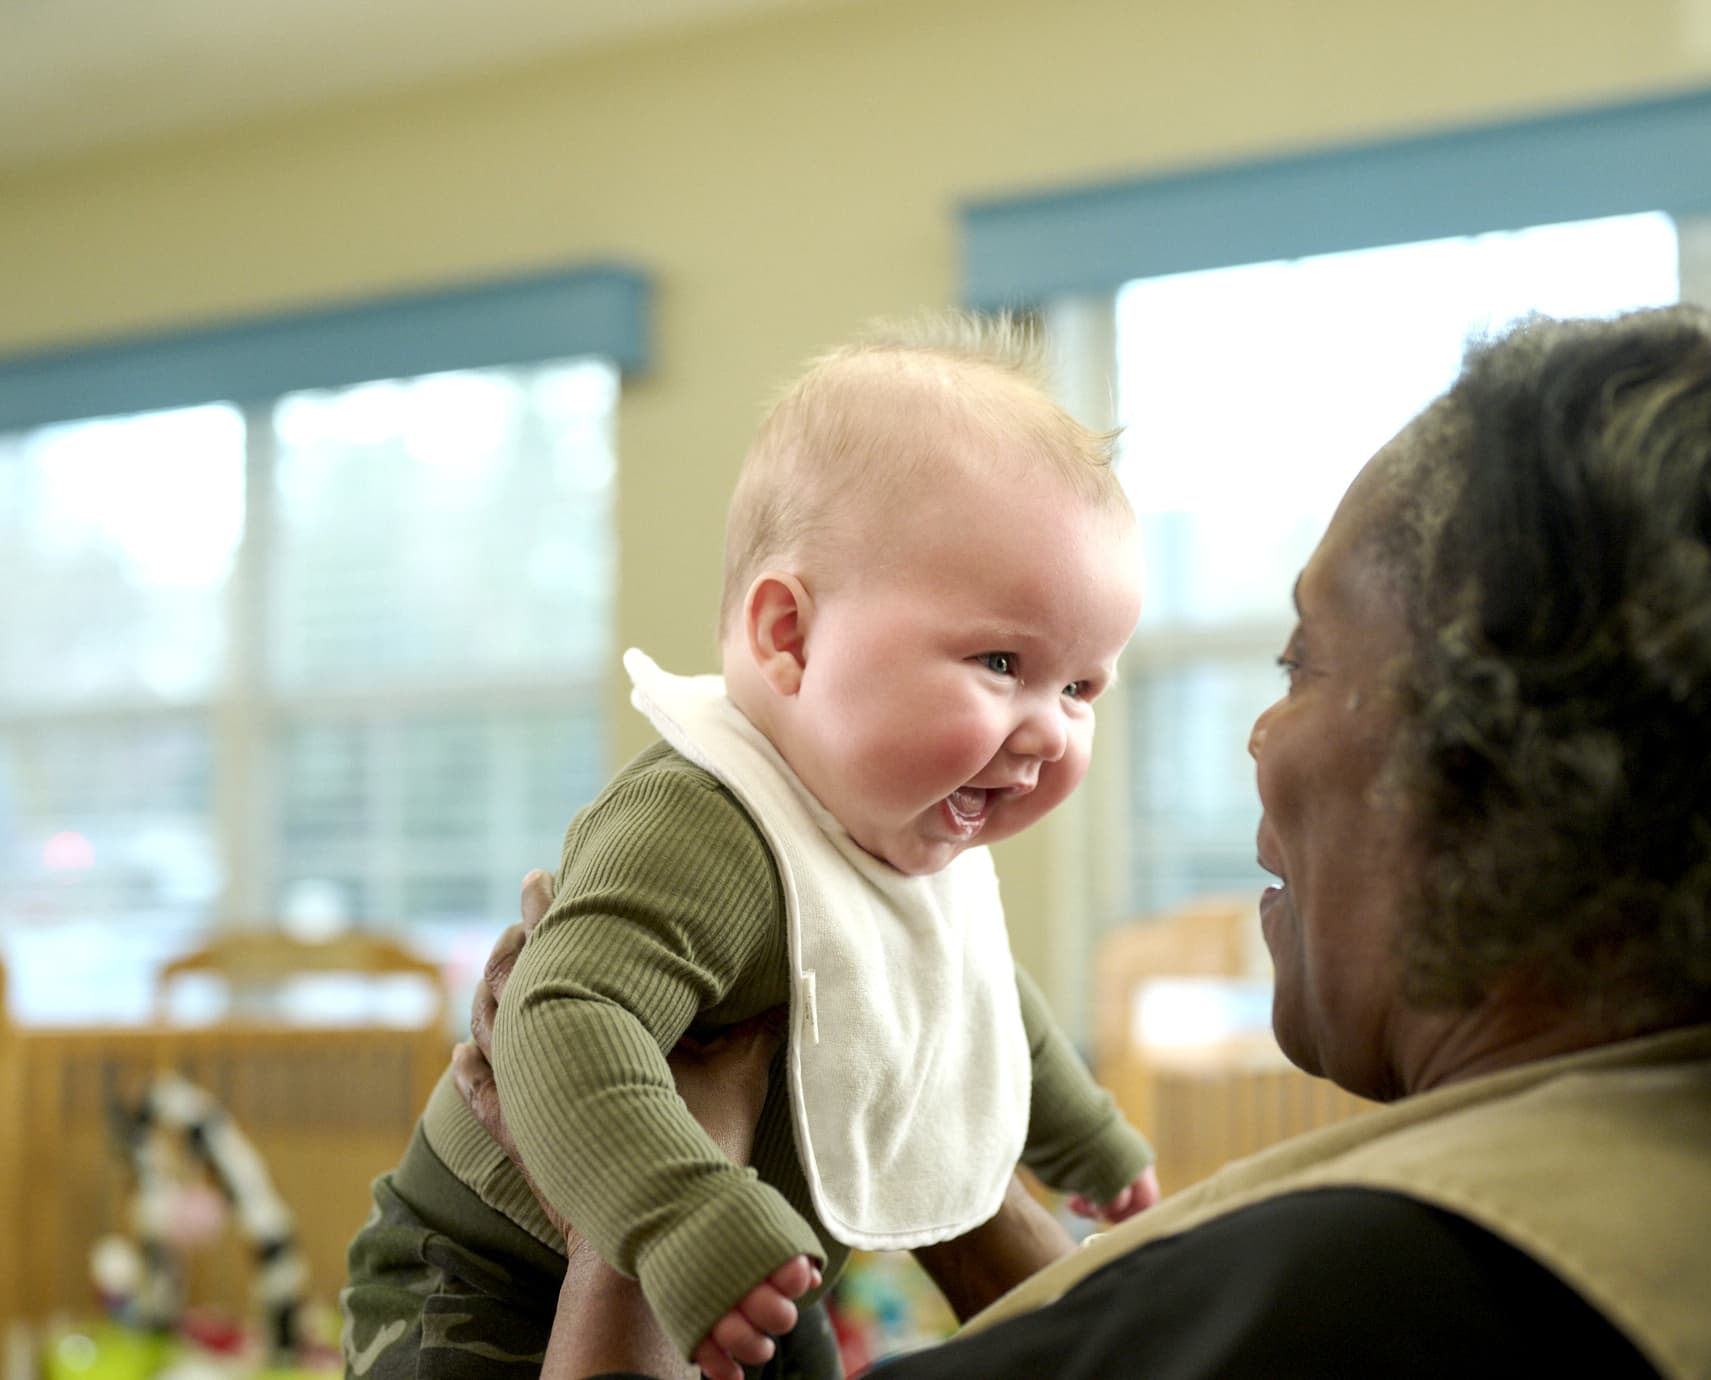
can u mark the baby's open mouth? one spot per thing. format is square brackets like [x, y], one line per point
[967, 807]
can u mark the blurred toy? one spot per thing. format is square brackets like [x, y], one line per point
[177, 1139]
[883, 1306]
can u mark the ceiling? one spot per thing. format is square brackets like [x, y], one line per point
[81, 75]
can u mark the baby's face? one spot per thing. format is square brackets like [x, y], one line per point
[949, 678]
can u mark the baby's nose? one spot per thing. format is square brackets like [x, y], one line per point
[1042, 734]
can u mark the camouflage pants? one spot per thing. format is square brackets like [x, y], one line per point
[419, 1304]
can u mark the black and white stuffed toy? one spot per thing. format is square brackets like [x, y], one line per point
[177, 1139]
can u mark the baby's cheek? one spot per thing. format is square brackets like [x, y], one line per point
[953, 758]
[1078, 743]
[906, 781]
[1058, 781]
[941, 757]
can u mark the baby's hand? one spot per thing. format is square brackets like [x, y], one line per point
[1137, 1197]
[744, 1335]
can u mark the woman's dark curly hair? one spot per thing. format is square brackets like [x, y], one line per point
[1557, 708]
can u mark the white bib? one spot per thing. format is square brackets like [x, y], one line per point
[908, 1064]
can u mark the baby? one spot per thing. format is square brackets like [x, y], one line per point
[930, 574]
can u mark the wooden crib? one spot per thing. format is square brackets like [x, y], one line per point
[328, 1107]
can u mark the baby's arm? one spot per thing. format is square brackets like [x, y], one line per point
[724, 1084]
[659, 917]
[1077, 1139]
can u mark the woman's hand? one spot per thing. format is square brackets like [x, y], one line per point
[471, 1070]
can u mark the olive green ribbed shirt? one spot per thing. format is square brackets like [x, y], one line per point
[669, 918]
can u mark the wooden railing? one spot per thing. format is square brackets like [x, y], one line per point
[1204, 1107]
[1201, 1103]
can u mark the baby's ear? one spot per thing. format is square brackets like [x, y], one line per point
[775, 627]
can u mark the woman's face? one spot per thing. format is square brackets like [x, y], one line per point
[1330, 832]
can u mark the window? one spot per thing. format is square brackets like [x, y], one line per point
[1250, 396]
[1201, 665]
[333, 659]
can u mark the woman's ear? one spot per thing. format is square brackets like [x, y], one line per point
[775, 628]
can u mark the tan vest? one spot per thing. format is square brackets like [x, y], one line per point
[1596, 1164]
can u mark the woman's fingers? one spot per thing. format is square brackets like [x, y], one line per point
[471, 1072]
[473, 1076]
[497, 971]
[483, 1006]
[537, 898]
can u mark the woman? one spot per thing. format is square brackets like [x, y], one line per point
[1487, 802]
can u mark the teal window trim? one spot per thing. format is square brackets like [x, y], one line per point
[1021, 251]
[599, 309]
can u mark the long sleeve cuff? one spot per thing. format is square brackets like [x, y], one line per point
[1104, 1164]
[693, 1275]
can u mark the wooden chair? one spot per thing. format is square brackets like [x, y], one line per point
[1201, 1104]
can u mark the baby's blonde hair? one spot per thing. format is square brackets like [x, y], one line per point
[861, 424]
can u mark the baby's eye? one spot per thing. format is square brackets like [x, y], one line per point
[1079, 690]
[999, 663]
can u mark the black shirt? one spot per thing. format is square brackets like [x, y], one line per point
[1331, 1282]
[1326, 1284]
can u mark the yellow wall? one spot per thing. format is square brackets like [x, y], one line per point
[784, 180]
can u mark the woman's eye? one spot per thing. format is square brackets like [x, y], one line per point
[999, 663]
[1290, 662]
